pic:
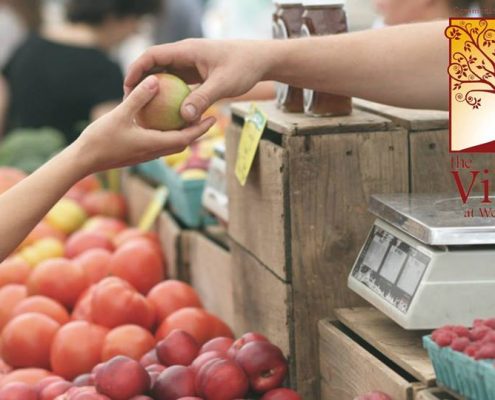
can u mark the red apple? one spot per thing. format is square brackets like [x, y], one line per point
[105, 203]
[281, 394]
[156, 368]
[141, 397]
[18, 391]
[173, 383]
[204, 358]
[264, 364]
[46, 382]
[82, 241]
[163, 111]
[82, 393]
[221, 344]
[245, 339]
[190, 398]
[121, 378]
[149, 358]
[178, 348]
[221, 380]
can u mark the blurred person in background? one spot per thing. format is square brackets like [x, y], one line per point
[178, 20]
[63, 77]
[17, 18]
[395, 12]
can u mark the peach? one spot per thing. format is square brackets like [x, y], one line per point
[245, 339]
[204, 358]
[173, 383]
[149, 358]
[178, 348]
[281, 394]
[221, 380]
[122, 378]
[163, 111]
[53, 390]
[221, 344]
[264, 364]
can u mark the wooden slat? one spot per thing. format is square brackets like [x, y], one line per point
[261, 301]
[436, 394]
[211, 276]
[300, 124]
[348, 370]
[332, 178]
[410, 119]
[258, 210]
[169, 234]
[403, 347]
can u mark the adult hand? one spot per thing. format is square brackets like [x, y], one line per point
[115, 140]
[222, 68]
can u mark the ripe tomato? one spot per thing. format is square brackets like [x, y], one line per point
[43, 231]
[59, 279]
[27, 339]
[14, 270]
[170, 296]
[106, 225]
[43, 305]
[200, 324]
[115, 302]
[91, 183]
[127, 340]
[30, 376]
[77, 348]
[95, 264]
[82, 310]
[135, 233]
[9, 177]
[105, 203]
[10, 296]
[81, 241]
[138, 263]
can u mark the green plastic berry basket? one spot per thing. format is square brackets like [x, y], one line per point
[185, 197]
[475, 380]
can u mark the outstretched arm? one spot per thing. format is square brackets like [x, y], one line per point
[110, 142]
[403, 66]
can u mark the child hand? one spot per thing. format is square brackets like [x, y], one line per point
[115, 140]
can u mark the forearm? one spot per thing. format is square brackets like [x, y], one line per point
[403, 66]
[23, 206]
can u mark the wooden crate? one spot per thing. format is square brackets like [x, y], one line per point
[300, 220]
[174, 240]
[364, 351]
[211, 275]
[429, 148]
[436, 394]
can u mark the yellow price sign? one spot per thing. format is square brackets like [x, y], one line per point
[252, 131]
[153, 210]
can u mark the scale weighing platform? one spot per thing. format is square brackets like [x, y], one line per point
[424, 264]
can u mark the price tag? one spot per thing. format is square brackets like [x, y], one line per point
[153, 210]
[254, 126]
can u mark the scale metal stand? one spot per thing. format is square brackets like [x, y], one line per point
[426, 265]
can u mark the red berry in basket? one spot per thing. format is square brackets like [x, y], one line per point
[444, 338]
[472, 349]
[461, 331]
[489, 337]
[479, 333]
[478, 322]
[490, 323]
[486, 352]
[460, 344]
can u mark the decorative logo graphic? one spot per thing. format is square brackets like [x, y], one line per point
[472, 85]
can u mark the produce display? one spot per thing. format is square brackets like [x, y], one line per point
[86, 312]
[464, 358]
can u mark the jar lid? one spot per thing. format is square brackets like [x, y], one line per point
[324, 2]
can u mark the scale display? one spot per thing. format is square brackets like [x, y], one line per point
[391, 268]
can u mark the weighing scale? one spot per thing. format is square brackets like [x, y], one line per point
[426, 265]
